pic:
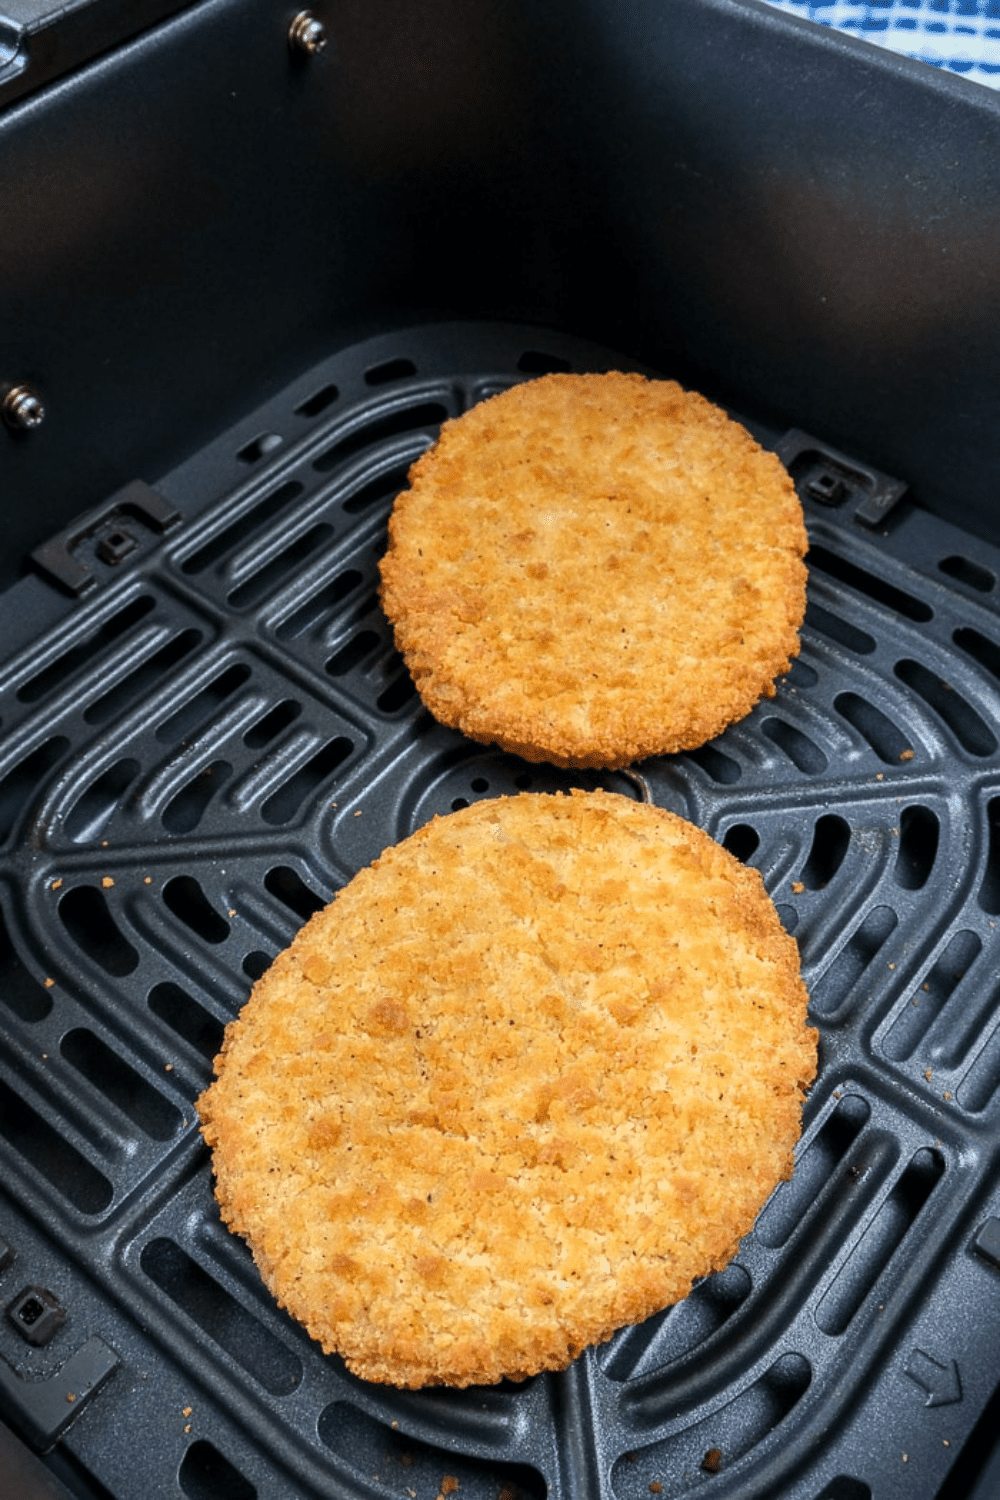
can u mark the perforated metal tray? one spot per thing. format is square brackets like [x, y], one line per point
[206, 730]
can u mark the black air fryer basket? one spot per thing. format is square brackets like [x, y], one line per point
[242, 283]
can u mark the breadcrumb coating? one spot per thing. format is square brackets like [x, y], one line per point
[593, 569]
[525, 1078]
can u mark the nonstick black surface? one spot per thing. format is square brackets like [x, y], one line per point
[206, 730]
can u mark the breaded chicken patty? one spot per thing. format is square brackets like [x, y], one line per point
[593, 569]
[528, 1076]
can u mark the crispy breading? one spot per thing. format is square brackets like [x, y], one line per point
[592, 569]
[525, 1078]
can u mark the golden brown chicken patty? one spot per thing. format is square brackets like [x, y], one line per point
[592, 569]
[527, 1076]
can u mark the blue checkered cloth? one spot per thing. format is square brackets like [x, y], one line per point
[962, 36]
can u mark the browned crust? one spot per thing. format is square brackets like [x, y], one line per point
[529, 1074]
[592, 569]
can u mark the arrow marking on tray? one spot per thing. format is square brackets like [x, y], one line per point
[941, 1382]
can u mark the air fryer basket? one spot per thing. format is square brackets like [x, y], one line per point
[218, 732]
[248, 285]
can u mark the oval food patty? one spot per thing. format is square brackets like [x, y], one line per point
[525, 1078]
[592, 569]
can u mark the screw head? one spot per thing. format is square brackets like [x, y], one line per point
[307, 34]
[22, 408]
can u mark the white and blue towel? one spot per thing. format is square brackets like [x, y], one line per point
[962, 36]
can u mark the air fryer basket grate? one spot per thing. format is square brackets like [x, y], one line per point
[213, 731]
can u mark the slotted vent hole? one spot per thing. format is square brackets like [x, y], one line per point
[542, 362]
[401, 419]
[83, 655]
[283, 805]
[845, 1488]
[831, 839]
[869, 584]
[20, 991]
[814, 1169]
[800, 674]
[406, 1465]
[185, 721]
[968, 572]
[243, 529]
[825, 622]
[318, 401]
[956, 1038]
[721, 768]
[888, 742]
[48, 1153]
[353, 653]
[146, 678]
[799, 749]
[189, 904]
[881, 1240]
[206, 1474]
[390, 369]
[93, 810]
[929, 999]
[317, 611]
[365, 607]
[849, 967]
[274, 722]
[186, 809]
[989, 891]
[256, 964]
[23, 781]
[396, 696]
[716, 1442]
[380, 491]
[259, 447]
[919, 833]
[292, 891]
[126, 1089]
[190, 1020]
[669, 1335]
[224, 1320]
[960, 717]
[86, 916]
[268, 578]
[742, 841]
[980, 1084]
[982, 650]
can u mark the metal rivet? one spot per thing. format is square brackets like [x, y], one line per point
[306, 34]
[22, 408]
